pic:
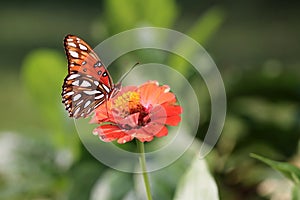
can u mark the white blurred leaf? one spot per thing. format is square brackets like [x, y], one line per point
[112, 185]
[197, 183]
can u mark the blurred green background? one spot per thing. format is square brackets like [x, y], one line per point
[255, 45]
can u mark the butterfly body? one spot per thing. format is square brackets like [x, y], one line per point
[88, 83]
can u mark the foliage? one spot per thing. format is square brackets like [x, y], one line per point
[43, 158]
[289, 171]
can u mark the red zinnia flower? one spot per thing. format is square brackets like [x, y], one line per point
[137, 112]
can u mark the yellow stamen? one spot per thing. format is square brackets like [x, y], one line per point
[128, 103]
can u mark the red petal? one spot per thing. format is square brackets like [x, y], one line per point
[173, 114]
[147, 132]
[173, 120]
[148, 93]
[126, 138]
[166, 97]
[152, 93]
[102, 113]
[153, 128]
[131, 120]
[158, 114]
[158, 131]
[163, 132]
[172, 109]
[166, 114]
[109, 132]
[145, 139]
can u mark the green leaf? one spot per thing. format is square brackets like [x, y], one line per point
[201, 31]
[197, 183]
[205, 27]
[84, 176]
[165, 181]
[288, 170]
[158, 13]
[123, 15]
[296, 192]
[43, 72]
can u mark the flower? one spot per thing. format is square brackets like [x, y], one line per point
[137, 112]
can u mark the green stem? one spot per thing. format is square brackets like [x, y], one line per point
[141, 149]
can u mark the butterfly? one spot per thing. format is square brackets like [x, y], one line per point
[88, 83]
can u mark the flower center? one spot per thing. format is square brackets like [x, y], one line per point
[128, 104]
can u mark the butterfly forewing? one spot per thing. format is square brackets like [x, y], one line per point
[88, 83]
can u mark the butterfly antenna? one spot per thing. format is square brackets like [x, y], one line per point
[124, 76]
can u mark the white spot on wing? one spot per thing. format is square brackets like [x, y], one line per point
[106, 88]
[76, 97]
[70, 93]
[74, 54]
[87, 104]
[89, 110]
[76, 83]
[82, 47]
[77, 111]
[99, 96]
[72, 44]
[98, 104]
[93, 92]
[85, 84]
[79, 102]
[96, 83]
[98, 64]
[72, 76]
